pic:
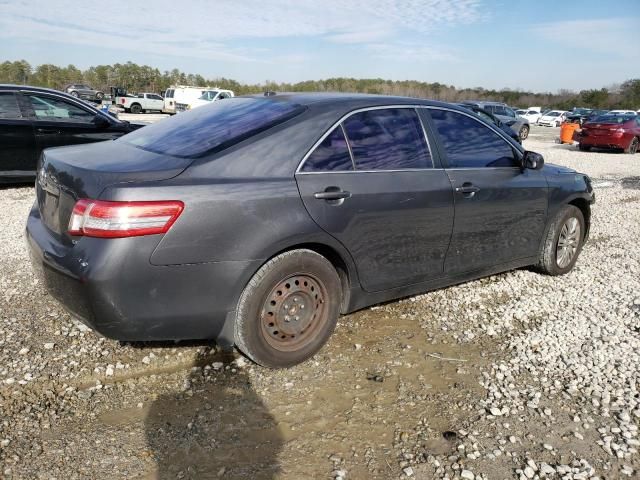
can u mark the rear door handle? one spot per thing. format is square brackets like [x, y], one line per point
[467, 189]
[47, 131]
[332, 195]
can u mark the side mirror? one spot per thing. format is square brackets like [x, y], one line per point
[101, 122]
[532, 160]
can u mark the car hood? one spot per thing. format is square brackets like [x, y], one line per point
[553, 169]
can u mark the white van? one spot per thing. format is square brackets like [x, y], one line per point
[180, 97]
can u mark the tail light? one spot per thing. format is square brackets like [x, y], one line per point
[97, 218]
[618, 132]
[122, 100]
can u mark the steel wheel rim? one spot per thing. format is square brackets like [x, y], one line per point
[568, 242]
[294, 312]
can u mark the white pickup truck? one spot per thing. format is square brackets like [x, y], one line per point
[142, 102]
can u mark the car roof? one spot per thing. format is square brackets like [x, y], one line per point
[345, 100]
[7, 86]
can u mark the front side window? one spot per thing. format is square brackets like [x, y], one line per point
[387, 139]
[49, 108]
[470, 144]
[331, 155]
[207, 130]
[9, 106]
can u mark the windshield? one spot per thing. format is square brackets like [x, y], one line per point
[212, 127]
[613, 118]
[208, 95]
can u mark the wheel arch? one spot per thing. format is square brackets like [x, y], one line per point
[585, 208]
[346, 271]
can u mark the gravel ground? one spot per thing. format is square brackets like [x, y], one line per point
[514, 376]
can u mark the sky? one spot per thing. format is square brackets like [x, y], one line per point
[531, 45]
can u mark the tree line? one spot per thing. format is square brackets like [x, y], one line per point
[143, 78]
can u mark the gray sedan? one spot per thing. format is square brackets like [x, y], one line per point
[257, 221]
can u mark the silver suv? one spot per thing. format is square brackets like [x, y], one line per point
[81, 90]
[506, 115]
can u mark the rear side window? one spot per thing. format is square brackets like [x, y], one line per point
[470, 144]
[331, 155]
[387, 139]
[212, 128]
[9, 106]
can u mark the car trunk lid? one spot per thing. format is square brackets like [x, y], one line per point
[67, 174]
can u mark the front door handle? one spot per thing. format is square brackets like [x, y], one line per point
[48, 131]
[467, 189]
[331, 193]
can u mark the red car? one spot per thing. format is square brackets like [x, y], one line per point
[619, 131]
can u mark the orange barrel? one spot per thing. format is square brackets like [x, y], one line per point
[566, 132]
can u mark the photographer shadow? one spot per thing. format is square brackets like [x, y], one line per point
[217, 427]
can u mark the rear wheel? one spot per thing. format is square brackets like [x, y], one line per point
[524, 132]
[74, 94]
[289, 309]
[563, 242]
[136, 108]
[584, 148]
[633, 146]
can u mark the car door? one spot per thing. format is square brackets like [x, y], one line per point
[58, 122]
[18, 153]
[500, 208]
[381, 195]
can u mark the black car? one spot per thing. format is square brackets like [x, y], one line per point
[490, 118]
[32, 119]
[258, 220]
[583, 115]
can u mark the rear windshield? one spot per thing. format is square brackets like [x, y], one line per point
[613, 118]
[212, 127]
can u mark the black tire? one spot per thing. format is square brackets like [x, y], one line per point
[524, 132]
[75, 94]
[99, 96]
[261, 331]
[633, 146]
[548, 259]
[584, 148]
[136, 108]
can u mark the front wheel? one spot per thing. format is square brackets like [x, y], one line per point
[99, 96]
[563, 242]
[524, 132]
[289, 309]
[74, 94]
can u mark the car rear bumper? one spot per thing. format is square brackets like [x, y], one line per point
[110, 285]
[605, 141]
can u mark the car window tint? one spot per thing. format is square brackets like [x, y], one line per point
[468, 143]
[207, 130]
[9, 106]
[387, 139]
[331, 155]
[49, 108]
